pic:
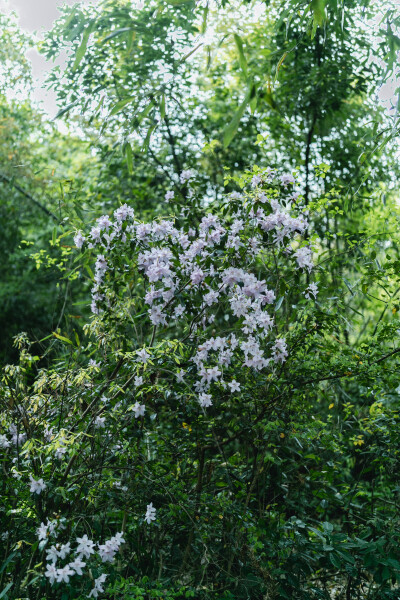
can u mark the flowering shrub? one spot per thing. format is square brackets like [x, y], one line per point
[136, 444]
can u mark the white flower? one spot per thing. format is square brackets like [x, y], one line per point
[98, 588]
[79, 239]
[77, 565]
[205, 400]
[85, 546]
[287, 178]
[51, 573]
[179, 376]
[37, 486]
[52, 554]
[41, 532]
[185, 176]
[64, 573]
[108, 550]
[138, 381]
[179, 310]
[100, 422]
[64, 550]
[169, 195]
[312, 289]
[150, 513]
[142, 355]
[256, 180]
[234, 385]
[304, 258]
[93, 363]
[139, 410]
[4, 443]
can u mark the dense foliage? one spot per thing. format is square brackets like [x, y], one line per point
[200, 299]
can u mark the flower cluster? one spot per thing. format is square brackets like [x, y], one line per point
[84, 550]
[193, 274]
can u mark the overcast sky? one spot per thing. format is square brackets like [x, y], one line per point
[37, 16]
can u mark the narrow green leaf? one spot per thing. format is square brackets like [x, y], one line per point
[82, 48]
[242, 58]
[318, 9]
[62, 338]
[279, 303]
[4, 592]
[121, 104]
[89, 270]
[129, 157]
[66, 109]
[148, 136]
[204, 20]
[231, 129]
[116, 33]
[162, 107]
[7, 561]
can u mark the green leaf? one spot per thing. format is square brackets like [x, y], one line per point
[279, 303]
[4, 592]
[129, 157]
[242, 58]
[335, 560]
[162, 107]
[121, 104]
[66, 109]
[204, 20]
[231, 129]
[7, 561]
[116, 33]
[62, 338]
[82, 48]
[318, 9]
[148, 136]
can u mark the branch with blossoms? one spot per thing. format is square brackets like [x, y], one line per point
[187, 309]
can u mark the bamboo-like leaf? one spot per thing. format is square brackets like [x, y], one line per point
[148, 136]
[242, 58]
[318, 9]
[231, 129]
[129, 157]
[82, 48]
[62, 338]
[4, 592]
[204, 20]
[121, 104]
[66, 109]
[116, 33]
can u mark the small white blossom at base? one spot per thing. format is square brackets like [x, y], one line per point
[98, 588]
